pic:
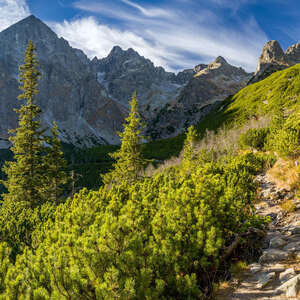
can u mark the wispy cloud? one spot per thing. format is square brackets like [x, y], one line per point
[149, 12]
[12, 11]
[169, 35]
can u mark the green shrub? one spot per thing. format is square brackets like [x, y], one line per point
[254, 138]
[285, 140]
[156, 239]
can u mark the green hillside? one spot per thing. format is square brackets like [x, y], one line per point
[279, 91]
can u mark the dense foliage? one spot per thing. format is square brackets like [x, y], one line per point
[155, 239]
[254, 138]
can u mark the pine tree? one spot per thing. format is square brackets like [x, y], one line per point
[189, 148]
[54, 165]
[129, 161]
[24, 173]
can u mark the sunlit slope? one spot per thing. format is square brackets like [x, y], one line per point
[279, 91]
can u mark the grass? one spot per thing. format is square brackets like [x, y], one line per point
[237, 269]
[285, 174]
[288, 206]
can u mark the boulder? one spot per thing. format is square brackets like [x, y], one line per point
[270, 255]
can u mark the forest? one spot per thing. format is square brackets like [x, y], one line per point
[160, 226]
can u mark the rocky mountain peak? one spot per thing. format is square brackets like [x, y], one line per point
[292, 54]
[272, 52]
[68, 90]
[118, 52]
[220, 67]
[31, 23]
[274, 59]
[220, 60]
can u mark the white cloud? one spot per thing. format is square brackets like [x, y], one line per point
[12, 11]
[96, 39]
[187, 38]
[149, 12]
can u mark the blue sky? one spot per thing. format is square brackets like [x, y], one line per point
[175, 34]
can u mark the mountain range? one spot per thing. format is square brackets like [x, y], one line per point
[89, 98]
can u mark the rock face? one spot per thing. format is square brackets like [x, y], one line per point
[68, 90]
[89, 98]
[273, 59]
[123, 72]
[209, 86]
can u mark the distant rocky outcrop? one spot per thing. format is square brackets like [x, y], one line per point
[209, 86]
[273, 59]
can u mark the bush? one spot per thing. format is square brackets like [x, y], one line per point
[156, 239]
[254, 138]
[286, 140]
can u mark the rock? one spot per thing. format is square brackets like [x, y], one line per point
[292, 247]
[254, 268]
[277, 242]
[292, 54]
[294, 238]
[270, 255]
[287, 275]
[265, 279]
[274, 268]
[291, 286]
[295, 230]
[292, 291]
[274, 59]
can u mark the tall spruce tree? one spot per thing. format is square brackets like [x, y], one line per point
[54, 167]
[24, 173]
[129, 161]
[189, 150]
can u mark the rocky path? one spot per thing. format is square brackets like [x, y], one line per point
[277, 273]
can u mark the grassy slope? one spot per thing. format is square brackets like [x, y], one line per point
[280, 90]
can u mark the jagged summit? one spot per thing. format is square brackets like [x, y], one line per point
[68, 90]
[272, 52]
[116, 50]
[273, 59]
[220, 60]
[32, 23]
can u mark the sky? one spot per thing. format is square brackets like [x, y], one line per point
[175, 34]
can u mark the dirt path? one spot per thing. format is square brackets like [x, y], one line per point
[277, 273]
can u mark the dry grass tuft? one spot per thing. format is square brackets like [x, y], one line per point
[285, 174]
[288, 206]
[225, 141]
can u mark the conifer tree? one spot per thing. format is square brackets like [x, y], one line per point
[189, 148]
[54, 166]
[24, 173]
[129, 161]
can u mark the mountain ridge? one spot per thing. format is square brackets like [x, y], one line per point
[89, 98]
